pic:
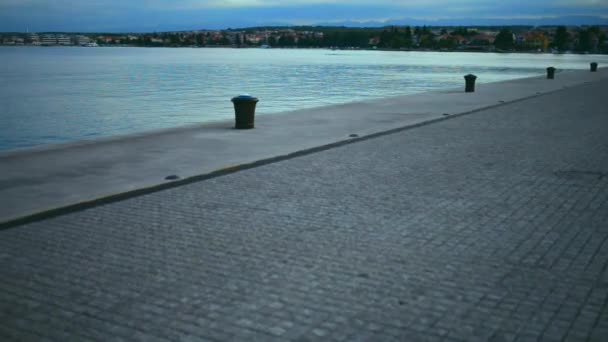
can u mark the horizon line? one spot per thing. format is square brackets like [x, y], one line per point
[311, 25]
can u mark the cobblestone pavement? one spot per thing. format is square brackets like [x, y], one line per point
[487, 227]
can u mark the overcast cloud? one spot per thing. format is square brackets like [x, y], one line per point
[160, 15]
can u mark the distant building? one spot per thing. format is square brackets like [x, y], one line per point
[33, 38]
[484, 37]
[536, 40]
[254, 38]
[460, 40]
[55, 39]
[63, 40]
[106, 39]
[83, 40]
[48, 39]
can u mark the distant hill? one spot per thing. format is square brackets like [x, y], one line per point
[565, 20]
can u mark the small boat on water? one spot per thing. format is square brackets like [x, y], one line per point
[91, 44]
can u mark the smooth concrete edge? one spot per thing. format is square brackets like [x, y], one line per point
[227, 123]
[60, 211]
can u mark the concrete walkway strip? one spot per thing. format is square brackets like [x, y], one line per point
[42, 182]
[489, 227]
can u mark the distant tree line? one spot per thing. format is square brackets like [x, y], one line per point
[587, 39]
[590, 39]
[515, 38]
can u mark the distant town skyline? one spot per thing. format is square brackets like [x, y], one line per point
[164, 15]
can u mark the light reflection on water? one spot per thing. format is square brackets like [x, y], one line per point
[51, 95]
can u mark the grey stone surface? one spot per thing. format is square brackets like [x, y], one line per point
[487, 227]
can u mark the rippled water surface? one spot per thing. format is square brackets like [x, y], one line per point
[52, 95]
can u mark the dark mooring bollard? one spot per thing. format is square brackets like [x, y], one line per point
[593, 67]
[550, 73]
[244, 111]
[470, 83]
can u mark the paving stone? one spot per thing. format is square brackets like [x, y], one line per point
[481, 227]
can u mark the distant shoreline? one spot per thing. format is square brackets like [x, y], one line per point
[307, 48]
[534, 39]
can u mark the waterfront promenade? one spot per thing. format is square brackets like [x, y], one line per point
[489, 226]
[47, 178]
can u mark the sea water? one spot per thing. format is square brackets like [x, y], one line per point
[63, 94]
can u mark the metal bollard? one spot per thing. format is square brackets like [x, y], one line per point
[550, 73]
[244, 111]
[593, 67]
[470, 83]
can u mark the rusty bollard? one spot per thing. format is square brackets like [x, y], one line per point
[470, 83]
[550, 73]
[593, 67]
[244, 111]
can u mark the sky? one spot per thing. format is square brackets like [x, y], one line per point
[172, 15]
